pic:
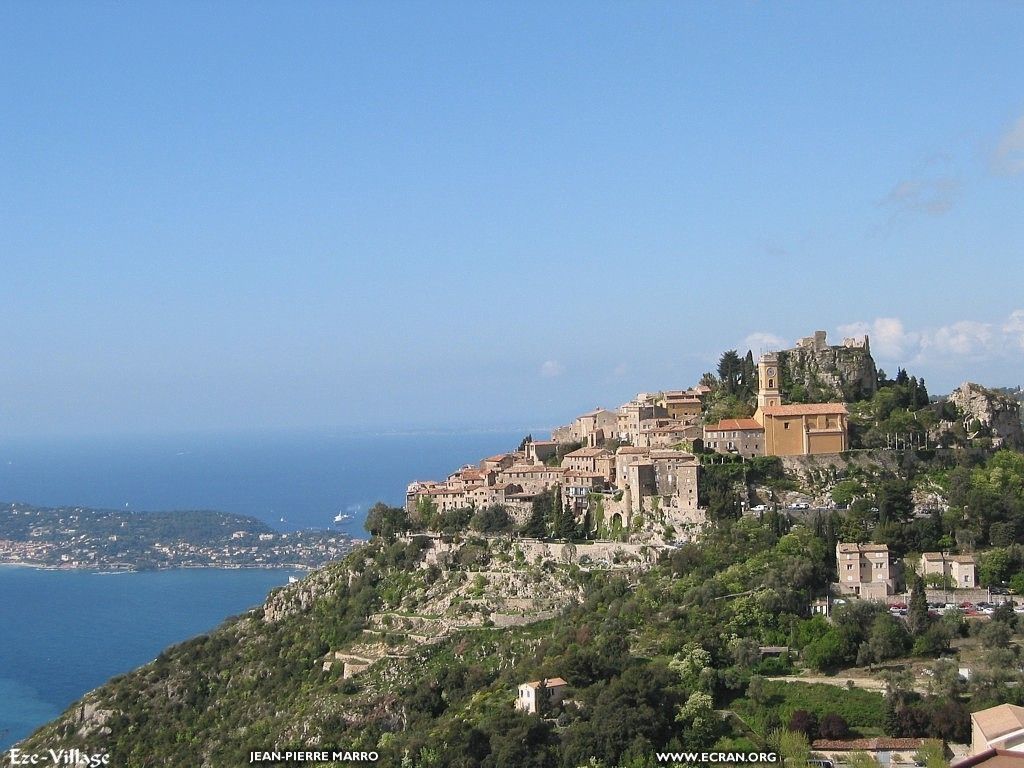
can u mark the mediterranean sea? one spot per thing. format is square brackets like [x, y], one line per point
[63, 633]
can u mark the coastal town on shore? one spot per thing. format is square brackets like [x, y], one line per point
[80, 538]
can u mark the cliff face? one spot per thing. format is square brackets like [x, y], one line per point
[815, 372]
[994, 411]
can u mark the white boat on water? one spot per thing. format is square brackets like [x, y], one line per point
[341, 517]
[293, 579]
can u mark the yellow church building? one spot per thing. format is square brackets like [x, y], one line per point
[798, 429]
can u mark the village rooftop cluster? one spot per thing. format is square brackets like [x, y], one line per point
[633, 466]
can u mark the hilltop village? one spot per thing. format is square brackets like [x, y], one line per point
[799, 555]
[635, 469]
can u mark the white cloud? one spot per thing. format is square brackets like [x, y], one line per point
[892, 342]
[964, 338]
[1013, 328]
[763, 341]
[889, 339]
[1008, 157]
[551, 369]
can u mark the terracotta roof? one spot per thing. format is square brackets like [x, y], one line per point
[534, 468]
[671, 453]
[867, 745]
[550, 681]
[442, 491]
[967, 559]
[804, 409]
[726, 425]
[631, 449]
[594, 412]
[993, 758]
[854, 547]
[587, 453]
[999, 721]
[499, 457]
[544, 442]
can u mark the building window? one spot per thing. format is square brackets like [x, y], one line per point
[785, 425]
[849, 566]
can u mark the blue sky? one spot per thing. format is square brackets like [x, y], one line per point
[408, 215]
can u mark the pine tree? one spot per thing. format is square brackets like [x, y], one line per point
[730, 368]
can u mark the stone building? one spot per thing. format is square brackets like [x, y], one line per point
[586, 459]
[577, 486]
[865, 570]
[958, 571]
[665, 433]
[744, 437]
[631, 415]
[1000, 727]
[532, 478]
[498, 463]
[539, 451]
[682, 404]
[533, 696]
[799, 429]
[590, 429]
[675, 475]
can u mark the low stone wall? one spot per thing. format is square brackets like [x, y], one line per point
[502, 620]
[597, 552]
[957, 596]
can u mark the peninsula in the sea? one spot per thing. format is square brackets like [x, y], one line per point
[77, 537]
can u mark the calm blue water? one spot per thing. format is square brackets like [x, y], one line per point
[306, 479]
[63, 633]
[66, 632]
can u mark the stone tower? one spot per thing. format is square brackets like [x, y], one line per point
[768, 381]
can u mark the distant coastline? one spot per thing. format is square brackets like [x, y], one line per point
[115, 541]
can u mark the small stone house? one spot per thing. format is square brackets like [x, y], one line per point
[529, 699]
[865, 570]
[885, 751]
[999, 727]
[959, 571]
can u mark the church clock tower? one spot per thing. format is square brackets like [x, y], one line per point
[768, 381]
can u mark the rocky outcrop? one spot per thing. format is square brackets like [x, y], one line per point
[993, 411]
[299, 597]
[815, 372]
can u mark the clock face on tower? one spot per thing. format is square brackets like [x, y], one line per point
[771, 371]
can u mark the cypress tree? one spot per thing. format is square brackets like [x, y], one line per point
[917, 613]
